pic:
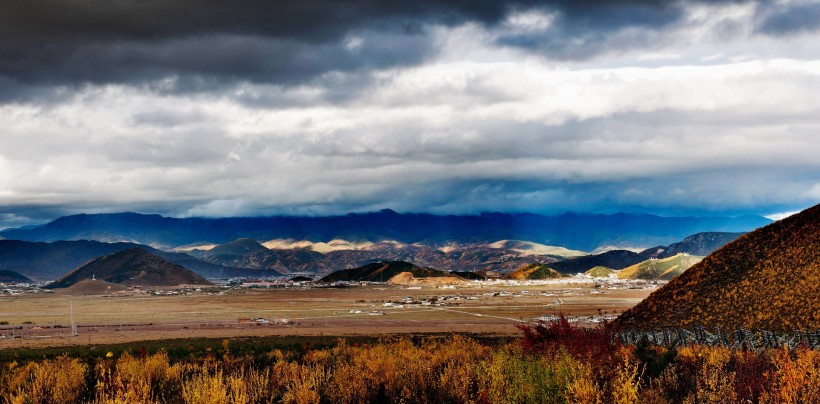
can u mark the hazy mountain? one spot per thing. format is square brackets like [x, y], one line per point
[11, 276]
[382, 272]
[131, 267]
[616, 259]
[768, 279]
[571, 231]
[48, 261]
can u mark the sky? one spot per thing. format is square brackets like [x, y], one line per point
[322, 107]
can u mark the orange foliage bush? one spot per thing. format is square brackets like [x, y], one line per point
[452, 370]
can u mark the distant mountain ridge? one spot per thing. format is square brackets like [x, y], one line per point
[700, 244]
[615, 259]
[48, 261]
[471, 257]
[502, 256]
[383, 272]
[571, 231]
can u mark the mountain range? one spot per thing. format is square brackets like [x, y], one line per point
[48, 261]
[572, 231]
[248, 257]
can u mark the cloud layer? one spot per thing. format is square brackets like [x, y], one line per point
[317, 107]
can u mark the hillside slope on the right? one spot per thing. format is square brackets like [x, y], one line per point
[768, 279]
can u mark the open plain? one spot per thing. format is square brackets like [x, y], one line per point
[45, 319]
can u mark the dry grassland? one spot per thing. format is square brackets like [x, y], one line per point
[46, 319]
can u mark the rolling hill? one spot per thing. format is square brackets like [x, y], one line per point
[534, 272]
[130, 268]
[571, 231]
[11, 276]
[767, 279]
[600, 272]
[615, 259]
[660, 269]
[382, 272]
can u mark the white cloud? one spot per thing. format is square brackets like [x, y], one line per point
[781, 215]
[479, 127]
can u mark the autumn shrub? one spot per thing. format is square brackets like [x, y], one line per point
[54, 380]
[555, 363]
[795, 377]
[597, 345]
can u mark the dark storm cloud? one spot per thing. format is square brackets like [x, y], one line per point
[202, 44]
[790, 19]
[585, 32]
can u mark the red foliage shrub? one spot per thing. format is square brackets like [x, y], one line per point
[595, 344]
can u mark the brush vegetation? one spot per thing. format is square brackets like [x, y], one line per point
[550, 363]
[767, 279]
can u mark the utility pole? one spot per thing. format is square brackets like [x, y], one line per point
[73, 324]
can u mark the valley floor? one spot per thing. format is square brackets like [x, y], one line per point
[41, 320]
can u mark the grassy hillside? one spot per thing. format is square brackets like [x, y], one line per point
[767, 279]
[660, 269]
[534, 271]
[600, 272]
